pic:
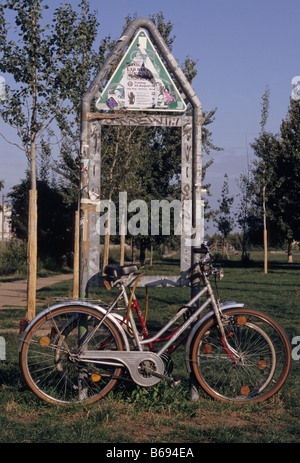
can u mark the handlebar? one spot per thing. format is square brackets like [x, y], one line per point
[207, 259]
[204, 249]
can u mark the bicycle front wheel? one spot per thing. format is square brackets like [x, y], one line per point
[49, 361]
[254, 369]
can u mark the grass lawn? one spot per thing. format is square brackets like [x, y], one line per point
[131, 414]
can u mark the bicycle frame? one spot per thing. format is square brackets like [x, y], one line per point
[175, 335]
[143, 353]
[184, 326]
[169, 340]
[81, 348]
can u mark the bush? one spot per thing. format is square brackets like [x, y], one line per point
[13, 258]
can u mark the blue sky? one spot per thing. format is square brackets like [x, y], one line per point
[241, 48]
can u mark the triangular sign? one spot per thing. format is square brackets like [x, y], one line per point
[141, 82]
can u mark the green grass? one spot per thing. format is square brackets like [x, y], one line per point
[131, 414]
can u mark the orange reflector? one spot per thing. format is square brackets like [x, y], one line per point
[95, 377]
[207, 348]
[262, 364]
[44, 341]
[245, 390]
[242, 320]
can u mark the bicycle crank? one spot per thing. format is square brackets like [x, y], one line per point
[145, 368]
[172, 382]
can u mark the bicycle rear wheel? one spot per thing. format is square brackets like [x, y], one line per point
[48, 356]
[262, 363]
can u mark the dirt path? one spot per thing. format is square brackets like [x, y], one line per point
[14, 293]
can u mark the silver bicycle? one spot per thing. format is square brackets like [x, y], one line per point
[77, 351]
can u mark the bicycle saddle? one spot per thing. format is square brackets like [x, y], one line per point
[118, 271]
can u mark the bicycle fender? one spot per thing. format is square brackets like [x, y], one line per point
[103, 311]
[224, 307]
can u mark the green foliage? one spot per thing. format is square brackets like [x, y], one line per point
[13, 258]
[223, 217]
[265, 109]
[51, 64]
[278, 170]
[284, 201]
[272, 186]
[56, 212]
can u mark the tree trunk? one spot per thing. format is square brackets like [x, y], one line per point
[290, 255]
[265, 251]
[106, 245]
[133, 251]
[32, 255]
[3, 220]
[76, 258]
[122, 249]
[32, 213]
[265, 232]
[142, 251]
[151, 255]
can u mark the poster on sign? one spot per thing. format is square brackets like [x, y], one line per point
[140, 86]
[141, 82]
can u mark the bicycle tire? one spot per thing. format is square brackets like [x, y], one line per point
[264, 362]
[48, 356]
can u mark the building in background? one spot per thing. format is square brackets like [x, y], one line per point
[5, 223]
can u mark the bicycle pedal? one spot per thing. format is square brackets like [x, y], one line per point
[174, 382]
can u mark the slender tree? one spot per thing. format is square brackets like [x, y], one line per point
[39, 57]
[223, 217]
[265, 113]
[243, 211]
[264, 149]
[276, 176]
[2, 212]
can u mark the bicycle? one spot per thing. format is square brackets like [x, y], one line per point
[77, 351]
